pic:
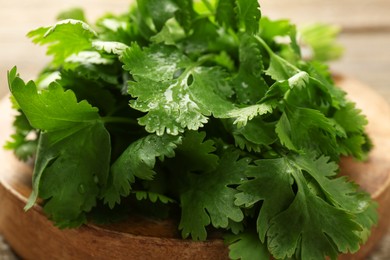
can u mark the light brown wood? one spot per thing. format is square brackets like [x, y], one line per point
[32, 236]
[374, 174]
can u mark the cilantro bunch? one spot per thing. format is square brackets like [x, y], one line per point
[203, 112]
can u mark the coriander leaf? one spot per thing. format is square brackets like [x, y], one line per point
[152, 196]
[170, 34]
[207, 197]
[24, 140]
[70, 169]
[161, 11]
[51, 110]
[256, 134]
[73, 13]
[118, 28]
[312, 228]
[176, 92]
[298, 127]
[224, 60]
[249, 84]
[66, 173]
[203, 37]
[367, 218]
[225, 14]
[195, 153]
[270, 29]
[350, 118]
[338, 191]
[83, 79]
[65, 38]
[159, 63]
[246, 246]
[320, 74]
[185, 14]
[305, 212]
[320, 39]
[245, 114]
[280, 69]
[143, 19]
[137, 161]
[23, 148]
[235, 227]
[156, 12]
[354, 146]
[248, 15]
[87, 57]
[271, 182]
[110, 47]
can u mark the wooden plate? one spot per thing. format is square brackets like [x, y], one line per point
[32, 236]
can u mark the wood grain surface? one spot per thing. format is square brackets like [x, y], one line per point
[365, 36]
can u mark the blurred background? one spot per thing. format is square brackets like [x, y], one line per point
[365, 36]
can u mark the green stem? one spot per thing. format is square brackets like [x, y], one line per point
[272, 53]
[264, 44]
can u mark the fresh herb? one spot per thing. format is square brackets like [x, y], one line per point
[207, 109]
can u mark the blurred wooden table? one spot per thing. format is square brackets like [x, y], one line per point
[365, 36]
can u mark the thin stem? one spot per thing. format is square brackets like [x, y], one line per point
[264, 44]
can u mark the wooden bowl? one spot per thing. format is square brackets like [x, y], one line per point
[32, 236]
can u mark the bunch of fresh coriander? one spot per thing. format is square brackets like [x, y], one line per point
[201, 111]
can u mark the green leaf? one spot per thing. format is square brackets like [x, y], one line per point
[195, 153]
[269, 29]
[248, 15]
[270, 182]
[71, 189]
[255, 135]
[207, 198]
[170, 34]
[83, 79]
[299, 127]
[110, 47]
[312, 228]
[185, 14]
[246, 246]
[280, 69]
[161, 11]
[152, 196]
[320, 40]
[24, 140]
[137, 161]
[334, 199]
[225, 14]
[73, 13]
[274, 126]
[350, 118]
[249, 85]
[202, 37]
[176, 92]
[65, 38]
[71, 132]
[245, 114]
[338, 191]
[54, 109]
[23, 148]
